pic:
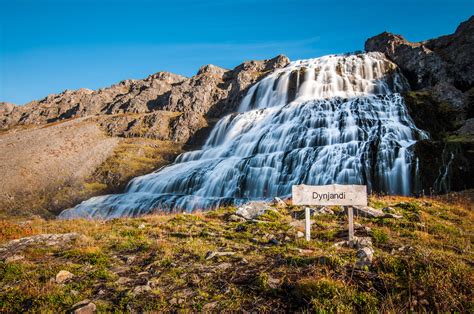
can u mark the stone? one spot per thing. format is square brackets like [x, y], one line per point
[84, 307]
[367, 211]
[394, 216]
[123, 280]
[299, 234]
[223, 266]
[14, 258]
[389, 210]
[141, 289]
[15, 246]
[141, 226]
[235, 218]
[467, 128]
[63, 276]
[212, 254]
[279, 202]
[273, 283]
[364, 257]
[273, 241]
[325, 210]
[252, 210]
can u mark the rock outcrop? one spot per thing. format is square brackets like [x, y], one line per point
[441, 75]
[443, 65]
[211, 93]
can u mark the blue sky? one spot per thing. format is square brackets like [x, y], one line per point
[47, 46]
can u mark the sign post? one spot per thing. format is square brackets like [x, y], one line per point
[350, 216]
[307, 229]
[324, 195]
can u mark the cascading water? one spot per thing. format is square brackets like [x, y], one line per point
[335, 119]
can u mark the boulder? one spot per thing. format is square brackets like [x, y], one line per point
[63, 276]
[252, 210]
[364, 257]
[235, 218]
[84, 307]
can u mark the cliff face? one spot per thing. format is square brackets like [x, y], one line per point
[441, 75]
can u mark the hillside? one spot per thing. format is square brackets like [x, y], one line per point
[217, 260]
[69, 147]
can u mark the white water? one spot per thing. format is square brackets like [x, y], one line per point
[335, 119]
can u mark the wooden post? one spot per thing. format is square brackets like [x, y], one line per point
[350, 214]
[307, 216]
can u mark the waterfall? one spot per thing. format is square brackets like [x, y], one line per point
[335, 119]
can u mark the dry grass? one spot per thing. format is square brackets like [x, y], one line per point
[423, 262]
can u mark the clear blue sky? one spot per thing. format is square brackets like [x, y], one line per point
[47, 46]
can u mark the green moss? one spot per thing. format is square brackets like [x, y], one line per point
[380, 236]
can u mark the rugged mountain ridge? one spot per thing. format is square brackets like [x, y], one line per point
[212, 92]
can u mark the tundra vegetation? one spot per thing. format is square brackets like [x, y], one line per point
[216, 260]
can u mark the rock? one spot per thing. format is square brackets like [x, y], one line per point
[305, 251]
[366, 211]
[252, 210]
[323, 210]
[364, 257]
[389, 210]
[442, 67]
[467, 128]
[235, 218]
[84, 307]
[299, 234]
[15, 246]
[273, 283]
[141, 226]
[63, 276]
[223, 266]
[123, 281]
[298, 224]
[279, 202]
[361, 242]
[394, 216]
[141, 289]
[273, 241]
[14, 258]
[358, 243]
[241, 228]
[210, 306]
[212, 254]
[421, 66]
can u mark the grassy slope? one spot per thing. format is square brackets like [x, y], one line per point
[132, 157]
[434, 271]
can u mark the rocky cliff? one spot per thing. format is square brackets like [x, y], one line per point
[441, 75]
[138, 104]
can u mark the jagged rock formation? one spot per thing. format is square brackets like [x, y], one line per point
[212, 92]
[441, 73]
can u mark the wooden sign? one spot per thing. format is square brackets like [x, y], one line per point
[335, 194]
